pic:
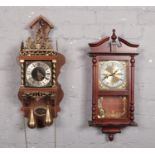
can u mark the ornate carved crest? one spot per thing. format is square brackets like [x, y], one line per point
[39, 43]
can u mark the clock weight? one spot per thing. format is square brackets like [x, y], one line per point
[31, 120]
[48, 118]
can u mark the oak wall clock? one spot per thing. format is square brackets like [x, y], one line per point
[39, 92]
[113, 65]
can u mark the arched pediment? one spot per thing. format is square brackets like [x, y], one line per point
[113, 44]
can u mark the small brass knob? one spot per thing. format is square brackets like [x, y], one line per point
[48, 118]
[31, 121]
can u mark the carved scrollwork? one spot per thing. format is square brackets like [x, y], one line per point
[38, 95]
[40, 44]
[100, 108]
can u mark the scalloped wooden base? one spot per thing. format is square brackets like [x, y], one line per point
[111, 130]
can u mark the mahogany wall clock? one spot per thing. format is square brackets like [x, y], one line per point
[40, 92]
[113, 65]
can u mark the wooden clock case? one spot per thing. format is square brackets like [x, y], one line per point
[117, 49]
[40, 104]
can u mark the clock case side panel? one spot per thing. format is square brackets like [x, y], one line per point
[94, 93]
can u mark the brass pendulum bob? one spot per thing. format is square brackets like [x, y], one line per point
[31, 121]
[48, 118]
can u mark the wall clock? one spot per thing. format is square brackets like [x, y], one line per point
[113, 65]
[39, 92]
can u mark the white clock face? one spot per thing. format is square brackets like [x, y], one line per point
[112, 74]
[38, 74]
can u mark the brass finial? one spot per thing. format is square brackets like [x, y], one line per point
[113, 37]
[22, 45]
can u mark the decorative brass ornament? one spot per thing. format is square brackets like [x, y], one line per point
[40, 41]
[112, 114]
[31, 121]
[48, 119]
[100, 108]
[22, 72]
[40, 44]
[38, 95]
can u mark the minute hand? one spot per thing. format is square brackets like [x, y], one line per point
[113, 73]
[106, 77]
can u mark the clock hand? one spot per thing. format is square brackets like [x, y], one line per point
[114, 73]
[105, 77]
[40, 75]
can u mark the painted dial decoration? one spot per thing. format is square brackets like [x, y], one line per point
[112, 74]
[38, 74]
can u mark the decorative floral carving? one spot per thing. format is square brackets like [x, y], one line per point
[111, 114]
[40, 43]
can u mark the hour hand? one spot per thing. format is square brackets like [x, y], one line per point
[114, 72]
[106, 76]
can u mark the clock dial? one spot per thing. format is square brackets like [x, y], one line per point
[112, 74]
[38, 74]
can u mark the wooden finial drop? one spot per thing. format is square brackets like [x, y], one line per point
[111, 136]
[113, 37]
